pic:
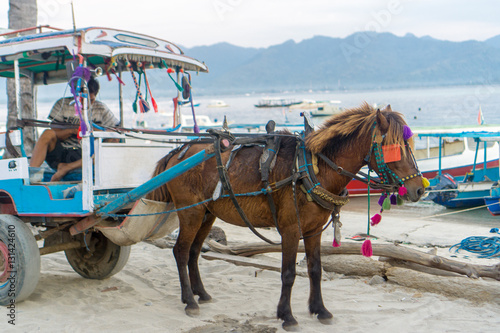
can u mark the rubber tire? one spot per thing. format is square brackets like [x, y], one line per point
[26, 256]
[107, 259]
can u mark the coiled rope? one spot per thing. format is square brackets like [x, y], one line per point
[484, 247]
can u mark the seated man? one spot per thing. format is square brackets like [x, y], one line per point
[60, 148]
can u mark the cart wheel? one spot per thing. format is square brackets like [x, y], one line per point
[100, 259]
[19, 260]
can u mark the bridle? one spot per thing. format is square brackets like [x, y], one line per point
[387, 176]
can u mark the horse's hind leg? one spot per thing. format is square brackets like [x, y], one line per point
[313, 253]
[189, 224]
[194, 254]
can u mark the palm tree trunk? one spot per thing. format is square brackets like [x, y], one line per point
[22, 14]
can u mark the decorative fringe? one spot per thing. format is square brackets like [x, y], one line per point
[394, 199]
[366, 248]
[402, 191]
[335, 244]
[425, 182]
[400, 201]
[375, 219]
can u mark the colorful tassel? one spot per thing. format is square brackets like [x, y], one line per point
[375, 219]
[170, 71]
[144, 106]
[400, 201]
[148, 88]
[402, 191]
[425, 182]
[394, 199]
[335, 244]
[366, 248]
[407, 133]
[387, 204]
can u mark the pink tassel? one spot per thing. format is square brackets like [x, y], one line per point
[335, 244]
[402, 191]
[366, 248]
[375, 219]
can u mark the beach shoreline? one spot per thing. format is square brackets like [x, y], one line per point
[145, 295]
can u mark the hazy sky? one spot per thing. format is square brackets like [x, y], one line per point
[260, 23]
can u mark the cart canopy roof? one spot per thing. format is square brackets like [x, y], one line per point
[43, 56]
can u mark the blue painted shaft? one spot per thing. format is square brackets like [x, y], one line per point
[155, 182]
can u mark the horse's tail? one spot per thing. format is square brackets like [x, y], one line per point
[161, 193]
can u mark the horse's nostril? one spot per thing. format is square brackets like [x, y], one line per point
[420, 191]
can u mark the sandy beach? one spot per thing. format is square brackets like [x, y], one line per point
[145, 295]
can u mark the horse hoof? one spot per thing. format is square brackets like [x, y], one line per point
[205, 299]
[326, 321]
[291, 326]
[192, 311]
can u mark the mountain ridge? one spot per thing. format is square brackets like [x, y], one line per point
[363, 60]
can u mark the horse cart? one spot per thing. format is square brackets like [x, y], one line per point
[75, 215]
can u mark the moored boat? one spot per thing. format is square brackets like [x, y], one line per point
[276, 102]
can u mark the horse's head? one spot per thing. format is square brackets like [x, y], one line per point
[391, 155]
[355, 134]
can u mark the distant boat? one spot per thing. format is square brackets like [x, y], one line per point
[319, 108]
[217, 104]
[327, 108]
[276, 102]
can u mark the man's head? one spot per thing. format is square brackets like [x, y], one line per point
[93, 86]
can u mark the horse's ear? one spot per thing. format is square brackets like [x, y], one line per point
[388, 108]
[382, 122]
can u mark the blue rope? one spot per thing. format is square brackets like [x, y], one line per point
[484, 247]
[262, 191]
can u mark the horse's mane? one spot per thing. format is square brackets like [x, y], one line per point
[342, 130]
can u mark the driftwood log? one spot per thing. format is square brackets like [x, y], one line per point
[382, 250]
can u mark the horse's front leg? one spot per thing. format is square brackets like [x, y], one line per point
[289, 246]
[194, 254]
[313, 252]
[189, 224]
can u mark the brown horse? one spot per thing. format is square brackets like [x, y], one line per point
[346, 139]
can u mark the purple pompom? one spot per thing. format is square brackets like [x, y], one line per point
[394, 199]
[407, 133]
[381, 199]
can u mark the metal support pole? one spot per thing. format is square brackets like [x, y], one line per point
[120, 98]
[17, 83]
[485, 161]
[440, 157]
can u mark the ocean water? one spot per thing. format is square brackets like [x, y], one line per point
[436, 106]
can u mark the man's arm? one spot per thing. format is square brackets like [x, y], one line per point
[64, 133]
